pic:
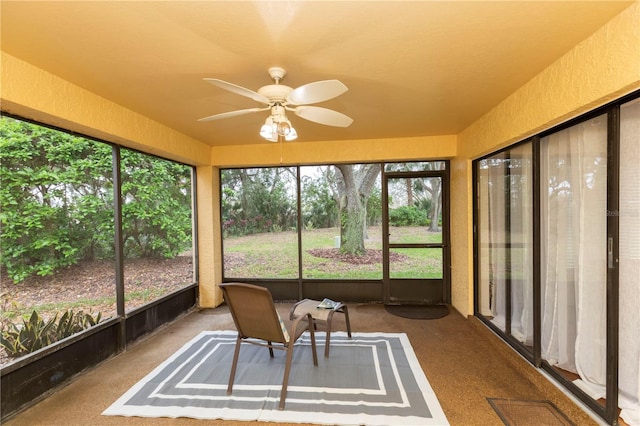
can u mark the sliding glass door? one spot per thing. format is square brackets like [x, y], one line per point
[573, 260]
[557, 249]
[629, 262]
[505, 252]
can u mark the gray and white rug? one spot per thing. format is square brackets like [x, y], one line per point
[371, 379]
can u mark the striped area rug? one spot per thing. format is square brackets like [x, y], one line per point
[370, 379]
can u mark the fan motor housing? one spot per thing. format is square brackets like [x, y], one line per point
[275, 92]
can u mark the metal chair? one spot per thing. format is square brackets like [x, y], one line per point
[255, 317]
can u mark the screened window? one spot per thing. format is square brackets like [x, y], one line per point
[57, 234]
[339, 214]
[259, 222]
[341, 210]
[58, 240]
[157, 227]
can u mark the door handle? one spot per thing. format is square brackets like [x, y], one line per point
[610, 252]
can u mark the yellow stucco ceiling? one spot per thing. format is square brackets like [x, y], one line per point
[414, 68]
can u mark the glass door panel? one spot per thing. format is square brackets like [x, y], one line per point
[505, 245]
[573, 259]
[629, 256]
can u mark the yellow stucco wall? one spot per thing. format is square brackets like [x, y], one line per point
[601, 68]
[366, 150]
[36, 94]
[209, 238]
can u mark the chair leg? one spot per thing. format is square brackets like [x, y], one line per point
[287, 366]
[312, 334]
[327, 341]
[270, 348]
[345, 310]
[285, 379]
[234, 365]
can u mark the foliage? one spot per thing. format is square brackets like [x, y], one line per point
[374, 208]
[318, 205]
[36, 332]
[258, 200]
[263, 200]
[156, 206]
[408, 216]
[55, 192]
[31, 335]
[56, 198]
[72, 322]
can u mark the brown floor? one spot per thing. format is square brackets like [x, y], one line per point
[464, 362]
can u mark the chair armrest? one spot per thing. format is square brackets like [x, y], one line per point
[293, 308]
[308, 319]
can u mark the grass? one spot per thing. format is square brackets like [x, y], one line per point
[275, 255]
[421, 263]
[47, 310]
[269, 255]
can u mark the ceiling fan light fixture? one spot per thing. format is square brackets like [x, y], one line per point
[267, 130]
[271, 137]
[292, 135]
[284, 127]
[278, 125]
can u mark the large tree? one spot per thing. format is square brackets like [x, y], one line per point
[353, 185]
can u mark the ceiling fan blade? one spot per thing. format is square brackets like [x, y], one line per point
[324, 116]
[318, 91]
[243, 91]
[231, 114]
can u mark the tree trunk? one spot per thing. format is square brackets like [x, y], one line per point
[352, 226]
[434, 187]
[436, 194]
[355, 188]
[409, 183]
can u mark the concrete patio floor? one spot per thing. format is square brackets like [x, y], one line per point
[464, 362]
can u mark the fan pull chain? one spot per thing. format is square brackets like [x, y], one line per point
[281, 147]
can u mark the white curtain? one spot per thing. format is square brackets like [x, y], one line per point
[484, 250]
[573, 263]
[496, 234]
[522, 245]
[629, 245]
[510, 256]
[574, 245]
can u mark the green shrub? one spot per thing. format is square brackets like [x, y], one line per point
[74, 322]
[408, 216]
[37, 333]
[56, 201]
[28, 337]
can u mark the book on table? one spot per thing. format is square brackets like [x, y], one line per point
[328, 304]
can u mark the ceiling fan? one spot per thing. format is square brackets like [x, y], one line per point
[279, 98]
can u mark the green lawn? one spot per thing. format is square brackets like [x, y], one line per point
[274, 255]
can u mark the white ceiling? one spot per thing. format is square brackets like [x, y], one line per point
[413, 68]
